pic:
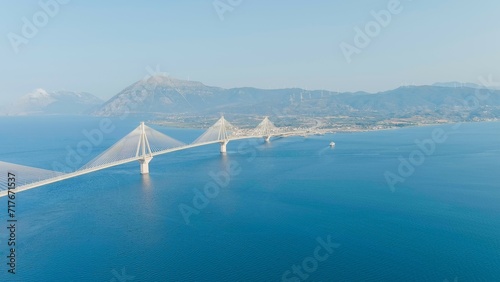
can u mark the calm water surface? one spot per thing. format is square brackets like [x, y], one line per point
[442, 223]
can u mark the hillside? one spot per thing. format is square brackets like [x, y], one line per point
[160, 96]
[41, 102]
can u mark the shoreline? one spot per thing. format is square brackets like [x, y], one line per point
[345, 130]
[193, 126]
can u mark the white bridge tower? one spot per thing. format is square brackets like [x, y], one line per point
[223, 135]
[266, 129]
[144, 150]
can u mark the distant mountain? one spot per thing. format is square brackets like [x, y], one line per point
[456, 84]
[41, 102]
[163, 95]
[429, 100]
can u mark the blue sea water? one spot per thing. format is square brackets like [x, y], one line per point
[442, 223]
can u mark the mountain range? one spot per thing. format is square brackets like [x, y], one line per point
[41, 102]
[159, 96]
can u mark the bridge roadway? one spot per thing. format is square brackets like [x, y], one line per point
[134, 159]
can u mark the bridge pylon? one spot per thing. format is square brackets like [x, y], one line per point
[221, 132]
[266, 129]
[223, 145]
[144, 150]
[223, 135]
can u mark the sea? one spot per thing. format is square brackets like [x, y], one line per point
[412, 204]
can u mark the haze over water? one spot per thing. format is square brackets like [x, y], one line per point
[441, 223]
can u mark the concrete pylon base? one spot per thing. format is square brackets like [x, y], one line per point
[145, 164]
[223, 145]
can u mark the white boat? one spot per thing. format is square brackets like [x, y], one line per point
[332, 144]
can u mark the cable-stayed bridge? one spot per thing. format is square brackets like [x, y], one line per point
[142, 144]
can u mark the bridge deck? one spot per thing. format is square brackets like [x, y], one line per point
[129, 160]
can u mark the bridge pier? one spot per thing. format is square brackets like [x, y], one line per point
[223, 146]
[145, 164]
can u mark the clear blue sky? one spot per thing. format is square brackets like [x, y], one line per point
[103, 46]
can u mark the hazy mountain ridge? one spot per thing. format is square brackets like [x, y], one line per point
[456, 84]
[165, 96]
[158, 95]
[162, 95]
[41, 102]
